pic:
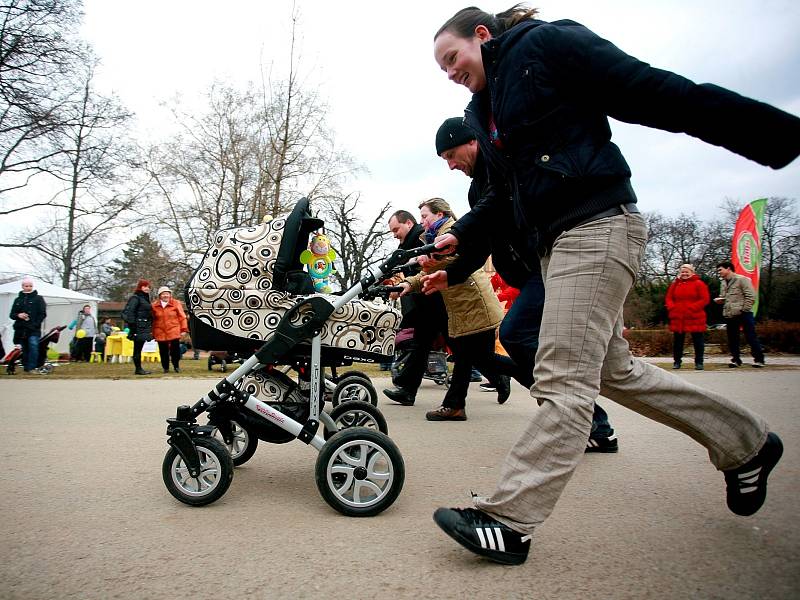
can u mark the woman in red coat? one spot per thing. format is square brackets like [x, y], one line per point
[686, 300]
[169, 322]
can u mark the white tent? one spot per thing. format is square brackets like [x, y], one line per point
[63, 306]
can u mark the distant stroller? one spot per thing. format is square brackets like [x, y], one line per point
[251, 296]
[436, 370]
[43, 365]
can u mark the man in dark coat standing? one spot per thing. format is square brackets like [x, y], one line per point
[28, 312]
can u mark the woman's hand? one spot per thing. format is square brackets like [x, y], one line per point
[447, 243]
[424, 260]
[406, 289]
[435, 282]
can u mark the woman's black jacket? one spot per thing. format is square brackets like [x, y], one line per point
[138, 314]
[551, 88]
[32, 304]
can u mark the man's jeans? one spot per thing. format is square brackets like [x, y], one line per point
[747, 322]
[31, 355]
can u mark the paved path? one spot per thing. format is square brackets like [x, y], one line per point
[84, 513]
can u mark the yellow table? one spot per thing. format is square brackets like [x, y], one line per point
[118, 348]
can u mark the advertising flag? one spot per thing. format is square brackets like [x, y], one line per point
[746, 252]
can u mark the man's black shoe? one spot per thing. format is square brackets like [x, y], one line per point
[400, 396]
[747, 485]
[177, 369]
[141, 372]
[606, 445]
[480, 533]
[503, 386]
[734, 364]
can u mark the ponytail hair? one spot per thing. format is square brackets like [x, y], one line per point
[463, 23]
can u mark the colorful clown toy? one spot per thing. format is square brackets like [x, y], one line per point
[319, 260]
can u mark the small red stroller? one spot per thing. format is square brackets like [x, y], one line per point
[42, 364]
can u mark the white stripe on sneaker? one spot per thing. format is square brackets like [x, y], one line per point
[479, 531]
[499, 536]
[490, 538]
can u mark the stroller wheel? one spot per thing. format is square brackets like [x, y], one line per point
[354, 388]
[360, 472]
[360, 374]
[357, 413]
[216, 473]
[243, 445]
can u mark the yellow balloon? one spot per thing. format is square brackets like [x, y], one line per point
[81, 333]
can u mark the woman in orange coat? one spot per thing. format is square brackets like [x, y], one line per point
[686, 300]
[169, 322]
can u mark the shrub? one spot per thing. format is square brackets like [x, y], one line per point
[775, 336]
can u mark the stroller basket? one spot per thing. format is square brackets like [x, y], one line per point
[252, 276]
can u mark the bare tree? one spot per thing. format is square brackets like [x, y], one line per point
[38, 55]
[94, 171]
[251, 155]
[356, 245]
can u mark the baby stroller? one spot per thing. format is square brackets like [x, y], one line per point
[251, 296]
[223, 358]
[44, 366]
[436, 370]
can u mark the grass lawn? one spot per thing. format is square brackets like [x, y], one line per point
[189, 368]
[199, 369]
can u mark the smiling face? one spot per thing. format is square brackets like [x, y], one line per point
[685, 273]
[461, 58]
[428, 218]
[400, 230]
[462, 158]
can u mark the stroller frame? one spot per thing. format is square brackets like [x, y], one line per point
[359, 471]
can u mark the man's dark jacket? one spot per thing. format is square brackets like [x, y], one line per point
[551, 88]
[409, 304]
[32, 304]
[513, 248]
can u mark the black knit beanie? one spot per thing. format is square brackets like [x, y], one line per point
[452, 133]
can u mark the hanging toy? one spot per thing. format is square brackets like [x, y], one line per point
[319, 259]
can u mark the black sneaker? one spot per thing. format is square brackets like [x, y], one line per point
[400, 396]
[676, 365]
[698, 366]
[487, 387]
[747, 485]
[480, 533]
[503, 388]
[734, 364]
[607, 445]
[759, 364]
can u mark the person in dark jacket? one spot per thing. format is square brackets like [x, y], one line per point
[28, 312]
[542, 95]
[686, 301]
[513, 251]
[138, 317]
[427, 315]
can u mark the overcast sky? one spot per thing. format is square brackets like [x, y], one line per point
[373, 62]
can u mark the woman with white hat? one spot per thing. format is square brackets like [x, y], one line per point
[169, 322]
